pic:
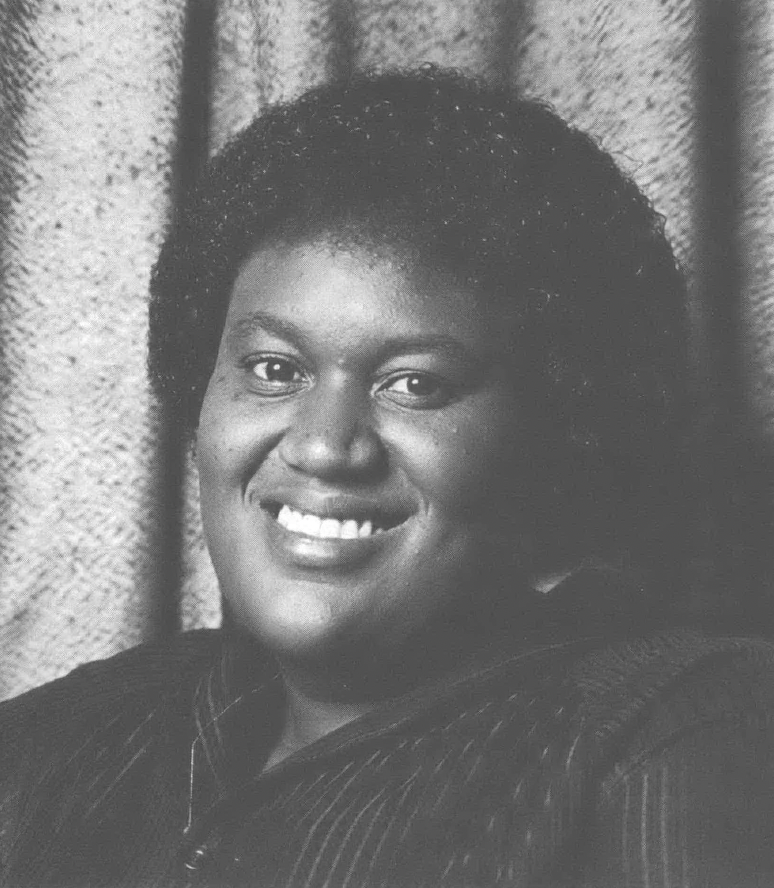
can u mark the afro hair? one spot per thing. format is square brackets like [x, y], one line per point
[510, 199]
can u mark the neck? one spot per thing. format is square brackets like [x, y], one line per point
[312, 711]
[320, 698]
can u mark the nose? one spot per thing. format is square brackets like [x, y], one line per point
[331, 435]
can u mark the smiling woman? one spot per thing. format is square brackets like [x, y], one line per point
[428, 343]
[359, 422]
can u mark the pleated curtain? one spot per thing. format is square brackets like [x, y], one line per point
[106, 109]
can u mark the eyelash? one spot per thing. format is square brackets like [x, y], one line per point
[442, 392]
[253, 363]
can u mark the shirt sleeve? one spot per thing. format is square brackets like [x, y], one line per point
[691, 802]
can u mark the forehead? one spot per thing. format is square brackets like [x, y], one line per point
[376, 293]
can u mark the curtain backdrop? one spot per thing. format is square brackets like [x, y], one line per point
[102, 106]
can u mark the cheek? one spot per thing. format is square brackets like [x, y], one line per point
[469, 461]
[213, 439]
[231, 442]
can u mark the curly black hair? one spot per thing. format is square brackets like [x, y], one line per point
[513, 201]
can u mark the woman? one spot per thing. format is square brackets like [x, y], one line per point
[427, 340]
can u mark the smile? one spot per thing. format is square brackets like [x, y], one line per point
[332, 534]
[326, 528]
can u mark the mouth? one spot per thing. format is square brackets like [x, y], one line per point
[358, 525]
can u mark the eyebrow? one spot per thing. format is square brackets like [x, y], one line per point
[261, 321]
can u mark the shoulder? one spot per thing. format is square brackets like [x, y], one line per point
[105, 734]
[610, 685]
[683, 729]
[98, 703]
[642, 697]
[143, 672]
[683, 672]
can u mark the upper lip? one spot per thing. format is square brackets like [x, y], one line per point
[343, 507]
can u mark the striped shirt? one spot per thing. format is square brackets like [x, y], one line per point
[644, 763]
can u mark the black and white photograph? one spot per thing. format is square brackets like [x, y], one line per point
[386, 443]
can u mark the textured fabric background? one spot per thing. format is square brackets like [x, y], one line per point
[91, 93]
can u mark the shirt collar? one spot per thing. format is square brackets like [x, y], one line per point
[237, 709]
[238, 702]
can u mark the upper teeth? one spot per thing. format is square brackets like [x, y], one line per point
[325, 528]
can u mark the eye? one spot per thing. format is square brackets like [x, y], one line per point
[277, 375]
[421, 391]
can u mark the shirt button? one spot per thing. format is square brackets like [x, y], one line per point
[197, 857]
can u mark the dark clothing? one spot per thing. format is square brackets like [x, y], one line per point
[642, 763]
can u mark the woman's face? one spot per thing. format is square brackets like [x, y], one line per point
[358, 441]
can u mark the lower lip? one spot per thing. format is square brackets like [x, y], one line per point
[304, 551]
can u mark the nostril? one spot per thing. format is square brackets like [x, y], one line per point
[332, 450]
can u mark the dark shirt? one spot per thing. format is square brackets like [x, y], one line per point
[646, 762]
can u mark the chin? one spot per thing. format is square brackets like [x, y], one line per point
[294, 623]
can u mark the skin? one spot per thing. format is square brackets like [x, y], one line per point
[347, 382]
